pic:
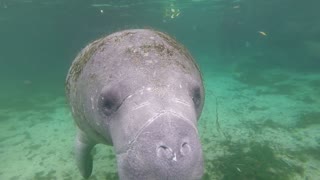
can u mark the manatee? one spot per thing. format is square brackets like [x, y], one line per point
[140, 91]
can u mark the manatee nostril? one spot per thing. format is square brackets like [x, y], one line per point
[185, 149]
[164, 147]
[164, 152]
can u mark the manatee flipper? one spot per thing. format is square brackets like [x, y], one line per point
[83, 147]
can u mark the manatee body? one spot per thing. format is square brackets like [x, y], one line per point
[140, 91]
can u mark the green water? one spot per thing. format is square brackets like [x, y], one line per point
[260, 62]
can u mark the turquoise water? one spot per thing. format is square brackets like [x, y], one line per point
[260, 62]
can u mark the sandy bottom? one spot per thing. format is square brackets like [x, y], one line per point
[255, 125]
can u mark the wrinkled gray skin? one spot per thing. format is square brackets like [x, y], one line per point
[140, 91]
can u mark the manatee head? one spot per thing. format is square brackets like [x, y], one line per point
[142, 92]
[153, 129]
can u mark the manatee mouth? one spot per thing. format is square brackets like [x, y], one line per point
[166, 146]
[152, 119]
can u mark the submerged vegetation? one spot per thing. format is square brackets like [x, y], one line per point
[250, 162]
[306, 153]
[308, 119]
[259, 126]
[253, 72]
[277, 83]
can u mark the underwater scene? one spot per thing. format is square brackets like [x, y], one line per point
[260, 66]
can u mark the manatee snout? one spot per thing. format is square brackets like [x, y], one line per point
[168, 148]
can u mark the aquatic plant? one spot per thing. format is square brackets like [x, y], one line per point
[305, 153]
[251, 161]
[260, 125]
[308, 119]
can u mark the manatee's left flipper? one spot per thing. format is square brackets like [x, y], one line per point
[83, 147]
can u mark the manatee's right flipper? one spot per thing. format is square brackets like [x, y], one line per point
[83, 147]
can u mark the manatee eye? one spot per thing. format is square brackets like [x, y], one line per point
[109, 101]
[196, 97]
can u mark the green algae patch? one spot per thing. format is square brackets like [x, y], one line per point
[308, 119]
[251, 162]
[306, 153]
[259, 126]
